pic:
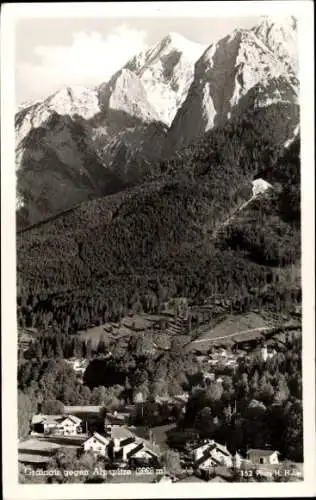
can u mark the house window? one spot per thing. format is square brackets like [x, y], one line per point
[261, 460]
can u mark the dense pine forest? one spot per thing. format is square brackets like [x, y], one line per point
[166, 238]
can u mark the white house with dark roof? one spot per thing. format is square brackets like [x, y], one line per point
[121, 444]
[97, 444]
[263, 457]
[211, 454]
[116, 419]
[130, 446]
[65, 425]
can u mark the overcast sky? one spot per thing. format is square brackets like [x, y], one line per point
[51, 53]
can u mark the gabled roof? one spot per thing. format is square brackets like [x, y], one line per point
[262, 452]
[73, 418]
[127, 441]
[121, 433]
[135, 450]
[206, 455]
[202, 443]
[49, 419]
[222, 449]
[102, 439]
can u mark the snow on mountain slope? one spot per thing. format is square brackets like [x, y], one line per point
[89, 141]
[224, 76]
[72, 101]
[124, 122]
[166, 71]
[280, 36]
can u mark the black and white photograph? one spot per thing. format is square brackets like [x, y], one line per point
[159, 333]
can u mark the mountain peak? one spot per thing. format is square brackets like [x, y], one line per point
[279, 34]
[246, 63]
[166, 71]
[286, 22]
[182, 44]
[126, 93]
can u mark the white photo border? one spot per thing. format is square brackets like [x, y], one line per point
[10, 13]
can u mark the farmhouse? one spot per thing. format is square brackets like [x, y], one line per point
[97, 444]
[177, 400]
[211, 454]
[116, 419]
[263, 456]
[69, 425]
[133, 448]
[127, 446]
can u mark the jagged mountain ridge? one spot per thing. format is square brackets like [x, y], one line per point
[231, 72]
[166, 71]
[112, 120]
[280, 36]
[124, 120]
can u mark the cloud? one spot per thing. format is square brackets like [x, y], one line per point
[90, 59]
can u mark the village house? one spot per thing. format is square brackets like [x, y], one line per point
[121, 445]
[68, 425]
[263, 457]
[179, 400]
[223, 359]
[78, 365]
[97, 444]
[127, 446]
[117, 419]
[210, 454]
[142, 453]
[208, 376]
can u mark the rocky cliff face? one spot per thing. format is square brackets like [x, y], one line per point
[80, 143]
[248, 68]
[76, 101]
[58, 168]
[166, 71]
[280, 36]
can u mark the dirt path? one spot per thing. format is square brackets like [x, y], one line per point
[231, 217]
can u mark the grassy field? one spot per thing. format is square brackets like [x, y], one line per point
[36, 450]
[130, 325]
[39, 445]
[233, 329]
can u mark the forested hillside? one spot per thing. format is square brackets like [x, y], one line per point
[156, 241]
